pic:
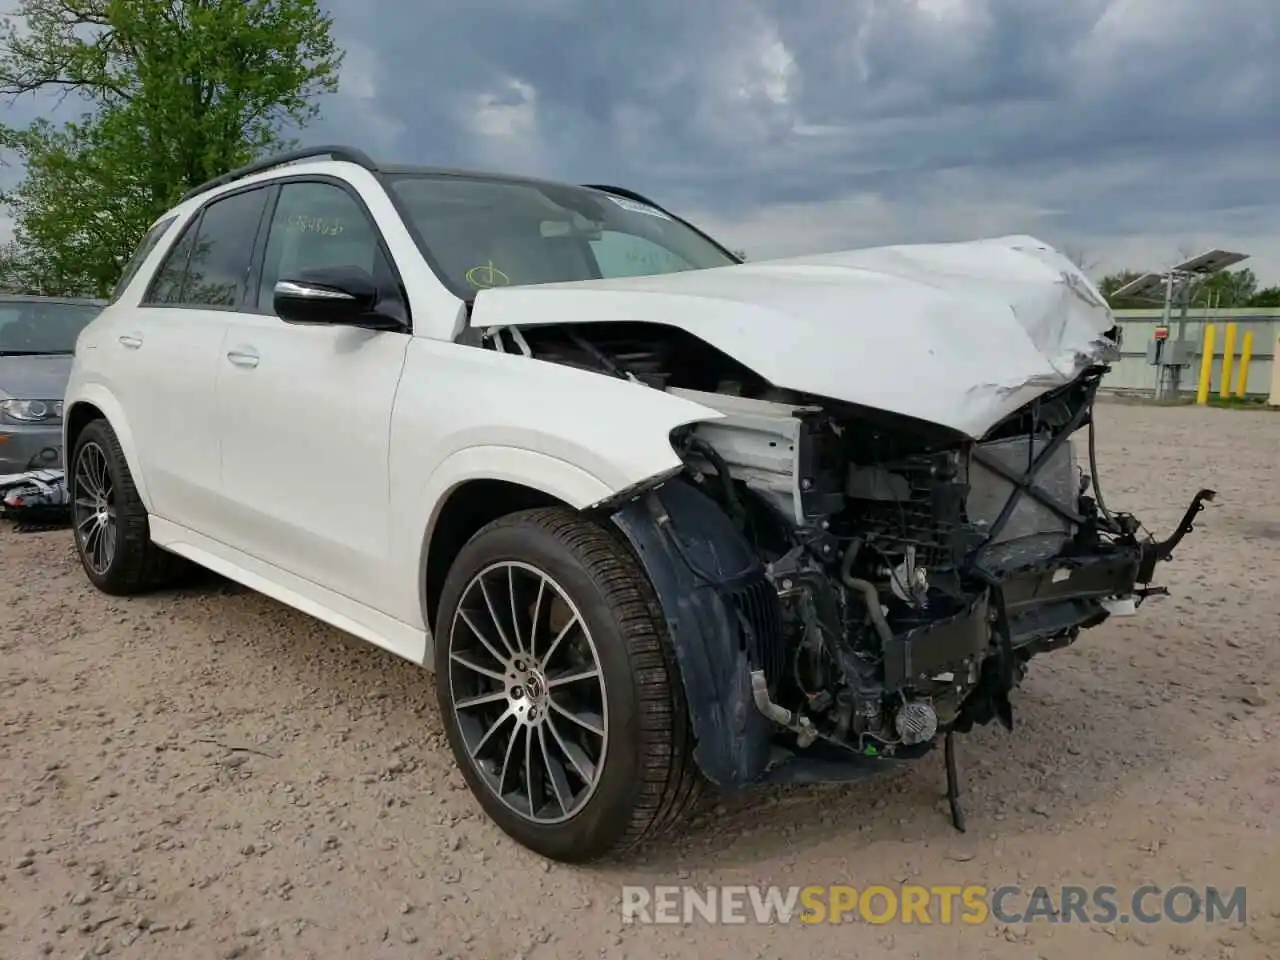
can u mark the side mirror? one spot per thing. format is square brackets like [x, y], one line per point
[343, 296]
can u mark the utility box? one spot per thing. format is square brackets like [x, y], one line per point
[1169, 353]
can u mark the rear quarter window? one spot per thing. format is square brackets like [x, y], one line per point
[140, 254]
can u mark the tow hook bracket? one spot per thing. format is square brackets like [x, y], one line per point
[1158, 551]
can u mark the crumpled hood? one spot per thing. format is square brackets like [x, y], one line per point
[958, 334]
[34, 378]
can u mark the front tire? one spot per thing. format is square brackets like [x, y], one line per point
[559, 689]
[112, 534]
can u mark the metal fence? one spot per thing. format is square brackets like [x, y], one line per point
[1133, 372]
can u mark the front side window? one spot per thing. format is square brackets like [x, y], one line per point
[317, 225]
[482, 232]
[38, 327]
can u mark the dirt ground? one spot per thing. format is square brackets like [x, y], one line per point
[210, 774]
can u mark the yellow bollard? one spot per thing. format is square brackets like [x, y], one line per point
[1246, 354]
[1206, 366]
[1228, 358]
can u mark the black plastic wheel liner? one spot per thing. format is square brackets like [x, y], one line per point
[698, 563]
[695, 559]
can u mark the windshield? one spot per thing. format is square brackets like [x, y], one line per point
[480, 232]
[29, 327]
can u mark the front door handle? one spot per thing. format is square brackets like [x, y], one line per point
[243, 356]
[131, 340]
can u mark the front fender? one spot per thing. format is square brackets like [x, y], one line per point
[552, 476]
[463, 414]
[99, 396]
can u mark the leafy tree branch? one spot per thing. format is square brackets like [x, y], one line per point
[175, 92]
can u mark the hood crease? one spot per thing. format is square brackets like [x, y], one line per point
[958, 334]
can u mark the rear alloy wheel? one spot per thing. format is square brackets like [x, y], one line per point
[94, 509]
[112, 535]
[559, 690]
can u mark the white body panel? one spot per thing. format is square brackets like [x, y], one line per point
[957, 334]
[159, 367]
[304, 433]
[316, 473]
[467, 414]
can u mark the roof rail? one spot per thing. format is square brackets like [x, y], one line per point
[334, 151]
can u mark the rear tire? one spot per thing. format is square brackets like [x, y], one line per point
[112, 533]
[608, 764]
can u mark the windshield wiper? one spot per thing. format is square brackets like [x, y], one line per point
[36, 353]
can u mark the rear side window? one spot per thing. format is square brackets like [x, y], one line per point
[139, 255]
[210, 265]
[223, 253]
[166, 287]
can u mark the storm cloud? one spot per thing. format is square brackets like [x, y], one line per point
[1127, 129]
[1130, 130]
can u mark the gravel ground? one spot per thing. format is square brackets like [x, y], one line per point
[210, 774]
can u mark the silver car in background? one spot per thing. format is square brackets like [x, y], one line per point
[37, 340]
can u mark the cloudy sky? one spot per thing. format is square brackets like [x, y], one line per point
[1129, 130]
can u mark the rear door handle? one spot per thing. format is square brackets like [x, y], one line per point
[131, 340]
[243, 356]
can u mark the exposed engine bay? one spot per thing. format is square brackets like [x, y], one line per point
[884, 581]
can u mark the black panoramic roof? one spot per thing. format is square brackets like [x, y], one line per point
[344, 154]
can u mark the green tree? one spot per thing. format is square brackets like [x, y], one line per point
[1227, 289]
[1230, 288]
[1112, 282]
[1266, 297]
[10, 282]
[175, 92]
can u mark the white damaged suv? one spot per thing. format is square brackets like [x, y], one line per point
[657, 519]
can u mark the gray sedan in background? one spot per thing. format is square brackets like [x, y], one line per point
[37, 340]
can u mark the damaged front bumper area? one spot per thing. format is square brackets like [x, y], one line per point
[845, 590]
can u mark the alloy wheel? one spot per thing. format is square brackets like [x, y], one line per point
[527, 692]
[94, 508]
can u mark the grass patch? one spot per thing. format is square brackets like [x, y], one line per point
[1241, 403]
[1143, 399]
